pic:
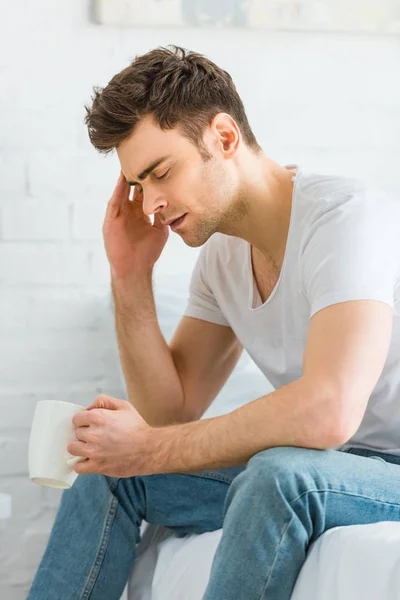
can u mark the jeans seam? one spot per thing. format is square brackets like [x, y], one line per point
[268, 580]
[346, 494]
[102, 549]
[275, 559]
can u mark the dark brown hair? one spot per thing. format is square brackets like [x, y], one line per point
[178, 87]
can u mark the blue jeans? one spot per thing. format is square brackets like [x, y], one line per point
[271, 510]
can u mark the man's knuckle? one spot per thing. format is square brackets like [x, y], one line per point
[98, 417]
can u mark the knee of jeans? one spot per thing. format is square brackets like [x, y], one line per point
[293, 469]
[285, 457]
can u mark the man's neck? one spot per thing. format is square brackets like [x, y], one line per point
[269, 199]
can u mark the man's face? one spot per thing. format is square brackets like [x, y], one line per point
[184, 183]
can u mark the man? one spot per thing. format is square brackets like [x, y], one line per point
[300, 269]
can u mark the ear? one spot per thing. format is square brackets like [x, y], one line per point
[227, 134]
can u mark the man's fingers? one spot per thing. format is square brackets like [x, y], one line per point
[120, 195]
[137, 195]
[77, 448]
[83, 418]
[84, 467]
[121, 191]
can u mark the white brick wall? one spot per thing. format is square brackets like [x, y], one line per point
[328, 102]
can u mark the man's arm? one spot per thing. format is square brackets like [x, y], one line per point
[172, 383]
[346, 349]
[152, 382]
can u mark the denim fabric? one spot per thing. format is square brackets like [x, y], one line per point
[271, 510]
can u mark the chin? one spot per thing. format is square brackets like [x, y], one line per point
[192, 242]
[197, 236]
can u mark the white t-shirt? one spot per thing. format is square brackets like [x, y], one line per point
[343, 244]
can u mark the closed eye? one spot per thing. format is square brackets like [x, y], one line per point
[163, 176]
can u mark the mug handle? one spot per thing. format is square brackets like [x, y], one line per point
[71, 462]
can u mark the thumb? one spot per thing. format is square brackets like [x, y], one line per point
[107, 402]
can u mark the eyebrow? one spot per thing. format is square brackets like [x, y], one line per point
[148, 170]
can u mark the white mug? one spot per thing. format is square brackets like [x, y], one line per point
[50, 464]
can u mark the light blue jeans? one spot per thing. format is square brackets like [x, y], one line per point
[271, 510]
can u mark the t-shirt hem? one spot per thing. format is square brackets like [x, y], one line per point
[205, 315]
[359, 294]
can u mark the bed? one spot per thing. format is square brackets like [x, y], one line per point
[357, 562]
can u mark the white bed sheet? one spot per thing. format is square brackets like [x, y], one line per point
[357, 562]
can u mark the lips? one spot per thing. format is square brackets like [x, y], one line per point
[167, 223]
[177, 222]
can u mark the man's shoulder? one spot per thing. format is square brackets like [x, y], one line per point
[330, 186]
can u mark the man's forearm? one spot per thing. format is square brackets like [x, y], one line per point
[296, 414]
[152, 381]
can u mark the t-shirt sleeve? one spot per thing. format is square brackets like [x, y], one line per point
[352, 252]
[202, 303]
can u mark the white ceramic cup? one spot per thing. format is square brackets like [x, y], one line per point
[50, 463]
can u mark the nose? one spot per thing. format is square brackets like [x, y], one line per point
[153, 202]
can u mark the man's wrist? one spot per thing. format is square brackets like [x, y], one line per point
[133, 292]
[126, 283]
[157, 456]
